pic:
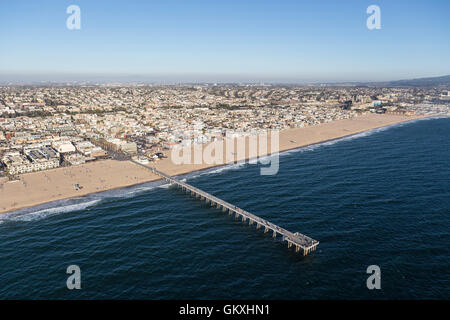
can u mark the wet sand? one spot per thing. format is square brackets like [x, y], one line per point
[45, 186]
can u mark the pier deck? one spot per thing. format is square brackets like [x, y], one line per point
[300, 241]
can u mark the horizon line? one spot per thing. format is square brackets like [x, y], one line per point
[36, 78]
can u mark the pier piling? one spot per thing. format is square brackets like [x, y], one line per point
[300, 241]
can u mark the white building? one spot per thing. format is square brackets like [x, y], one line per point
[43, 158]
[63, 146]
[75, 159]
[17, 163]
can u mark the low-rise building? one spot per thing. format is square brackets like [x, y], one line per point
[129, 147]
[89, 150]
[63, 146]
[31, 160]
[16, 163]
[126, 147]
[43, 158]
[74, 158]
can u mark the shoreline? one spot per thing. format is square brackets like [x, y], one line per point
[31, 183]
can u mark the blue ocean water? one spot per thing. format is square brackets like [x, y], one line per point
[377, 198]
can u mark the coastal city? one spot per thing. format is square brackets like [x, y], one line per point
[44, 127]
[223, 159]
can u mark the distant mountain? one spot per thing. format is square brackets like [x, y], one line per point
[420, 82]
[430, 82]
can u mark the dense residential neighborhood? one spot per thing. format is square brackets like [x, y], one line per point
[43, 127]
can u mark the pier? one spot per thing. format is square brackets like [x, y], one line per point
[301, 242]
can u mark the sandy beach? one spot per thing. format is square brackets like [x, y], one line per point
[45, 186]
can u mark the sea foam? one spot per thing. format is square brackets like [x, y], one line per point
[75, 204]
[38, 213]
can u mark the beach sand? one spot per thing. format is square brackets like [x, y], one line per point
[45, 186]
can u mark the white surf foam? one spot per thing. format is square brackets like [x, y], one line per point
[74, 204]
[216, 170]
[129, 192]
[43, 213]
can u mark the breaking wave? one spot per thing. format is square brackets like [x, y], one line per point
[75, 204]
[37, 213]
[215, 170]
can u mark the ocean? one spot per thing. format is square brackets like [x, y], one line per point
[377, 198]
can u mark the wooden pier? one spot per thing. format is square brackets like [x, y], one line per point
[300, 241]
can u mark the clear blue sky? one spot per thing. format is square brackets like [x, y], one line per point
[321, 40]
